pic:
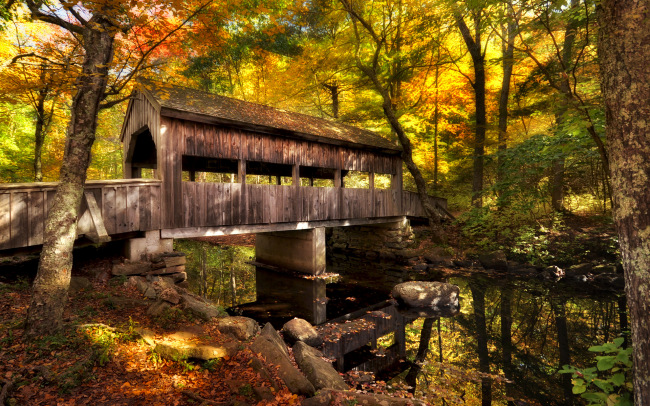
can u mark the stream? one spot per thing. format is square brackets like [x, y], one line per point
[505, 346]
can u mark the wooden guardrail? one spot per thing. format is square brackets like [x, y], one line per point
[120, 206]
[224, 204]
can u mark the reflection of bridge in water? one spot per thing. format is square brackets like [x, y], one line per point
[205, 156]
[350, 318]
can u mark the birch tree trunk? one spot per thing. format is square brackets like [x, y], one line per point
[50, 290]
[624, 57]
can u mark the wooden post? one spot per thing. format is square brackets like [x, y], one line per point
[311, 181]
[295, 173]
[241, 171]
[337, 178]
[192, 176]
[371, 180]
[278, 180]
[136, 172]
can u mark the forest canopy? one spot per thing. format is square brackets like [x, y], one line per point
[541, 145]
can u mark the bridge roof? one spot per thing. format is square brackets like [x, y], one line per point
[195, 105]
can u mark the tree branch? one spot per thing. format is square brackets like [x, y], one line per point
[36, 12]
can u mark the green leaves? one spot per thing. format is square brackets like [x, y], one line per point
[609, 383]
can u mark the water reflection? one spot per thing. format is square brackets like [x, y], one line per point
[503, 348]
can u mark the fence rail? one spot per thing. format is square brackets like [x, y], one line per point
[125, 205]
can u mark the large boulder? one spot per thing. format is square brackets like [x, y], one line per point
[242, 328]
[494, 260]
[434, 295]
[267, 345]
[300, 330]
[79, 283]
[199, 308]
[181, 350]
[319, 372]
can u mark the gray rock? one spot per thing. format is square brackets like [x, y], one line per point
[158, 309]
[553, 273]
[494, 260]
[79, 283]
[435, 295]
[420, 267]
[301, 330]
[319, 372]
[598, 269]
[202, 309]
[269, 332]
[146, 335]
[579, 269]
[131, 268]
[241, 328]
[139, 282]
[180, 350]
[273, 353]
[170, 295]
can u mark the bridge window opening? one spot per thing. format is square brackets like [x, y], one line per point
[147, 173]
[383, 180]
[204, 169]
[267, 173]
[356, 180]
[317, 177]
[142, 155]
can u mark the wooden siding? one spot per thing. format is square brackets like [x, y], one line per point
[412, 207]
[126, 206]
[221, 142]
[225, 204]
[184, 137]
[140, 113]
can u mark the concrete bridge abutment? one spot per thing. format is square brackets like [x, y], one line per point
[300, 251]
[142, 248]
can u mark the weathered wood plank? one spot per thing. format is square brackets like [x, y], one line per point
[37, 217]
[144, 208]
[5, 220]
[19, 230]
[121, 209]
[109, 200]
[99, 234]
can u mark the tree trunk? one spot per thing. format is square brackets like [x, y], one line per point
[475, 49]
[423, 349]
[559, 313]
[506, 338]
[39, 135]
[508, 48]
[557, 168]
[624, 58]
[50, 290]
[478, 302]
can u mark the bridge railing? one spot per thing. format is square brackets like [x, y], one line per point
[223, 204]
[412, 206]
[123, 205]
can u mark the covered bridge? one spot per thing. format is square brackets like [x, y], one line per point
[198, 164]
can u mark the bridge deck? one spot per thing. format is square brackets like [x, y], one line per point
[133, 205]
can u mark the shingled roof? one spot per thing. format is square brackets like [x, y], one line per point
[209, 107]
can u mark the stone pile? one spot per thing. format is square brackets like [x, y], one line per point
[170, 265]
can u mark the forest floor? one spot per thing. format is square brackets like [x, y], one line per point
[103, 365]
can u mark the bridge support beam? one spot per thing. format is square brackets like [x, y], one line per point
[138, 249]
[301, 251]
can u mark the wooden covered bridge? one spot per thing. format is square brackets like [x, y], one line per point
[198, 164]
